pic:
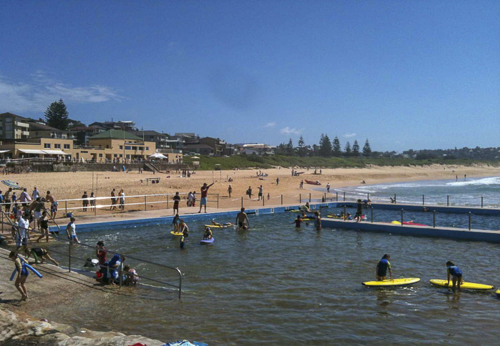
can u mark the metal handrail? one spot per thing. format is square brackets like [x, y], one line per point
[176, 269]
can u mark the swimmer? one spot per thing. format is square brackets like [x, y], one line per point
[242, 220]
[297, 221]
[317, 220]
[382, 267]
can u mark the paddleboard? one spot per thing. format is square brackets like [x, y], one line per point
[409, 223]
[175, 233]
[395, 282]
[498, 292]
[218, 226]
[465, 285]
[207, 241]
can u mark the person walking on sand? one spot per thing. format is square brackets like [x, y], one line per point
[71, 231]
[85, 200]
[113, 200]
[22, 275]
[122, 200]
[177, 200]
[261, 192]
[328, 188]
[229, 190]
[204, 193]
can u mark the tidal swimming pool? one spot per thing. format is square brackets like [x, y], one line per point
[280, 285]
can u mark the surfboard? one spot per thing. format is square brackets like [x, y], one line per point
[207, 241]
[219, 226]
[175, 233]
[395, 282]
[409, 223]
[498, 292]
[465, 285]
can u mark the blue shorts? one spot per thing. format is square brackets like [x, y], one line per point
[203, 201]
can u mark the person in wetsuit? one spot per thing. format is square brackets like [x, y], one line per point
[382, 267]
[455, 274]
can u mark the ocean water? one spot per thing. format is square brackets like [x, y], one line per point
[276, 284]
[461, 192]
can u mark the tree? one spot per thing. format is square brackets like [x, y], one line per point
[355, 148]
[347, 149]
[367, 151]
[289, 147]
[301, 149]
[325, 146]
[56, 115]
[336, 147]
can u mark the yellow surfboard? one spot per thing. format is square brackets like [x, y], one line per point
[389, 282]
[465, 285]
[498, 292]
[175, 233]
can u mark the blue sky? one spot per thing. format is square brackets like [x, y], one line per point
[402, 74]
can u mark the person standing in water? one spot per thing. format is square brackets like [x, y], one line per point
[455, 274]
[242, 220]
[382, 267]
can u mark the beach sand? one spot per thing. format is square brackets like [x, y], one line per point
[72, 185]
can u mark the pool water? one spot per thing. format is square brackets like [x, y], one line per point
[276, 284]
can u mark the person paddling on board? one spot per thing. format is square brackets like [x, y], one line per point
[455, 273]
[242, 220]
[382, 267]
[22, 274]
[208, 233]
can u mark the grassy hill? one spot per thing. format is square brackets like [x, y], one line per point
[262, 162]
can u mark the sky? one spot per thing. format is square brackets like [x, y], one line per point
[400, 74]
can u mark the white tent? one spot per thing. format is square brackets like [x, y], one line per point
[158, 156]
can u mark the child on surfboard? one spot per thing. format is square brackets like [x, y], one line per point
[382, 267]
[455, 273]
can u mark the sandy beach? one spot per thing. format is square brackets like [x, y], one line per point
[72, 185]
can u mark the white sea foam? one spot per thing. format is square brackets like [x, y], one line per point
[476, 182]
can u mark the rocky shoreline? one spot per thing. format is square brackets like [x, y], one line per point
[16, 329]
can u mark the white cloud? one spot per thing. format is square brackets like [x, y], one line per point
[349, 135]
[290, 131]
[271, 124]
[40, 91]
